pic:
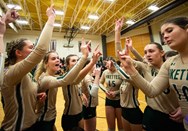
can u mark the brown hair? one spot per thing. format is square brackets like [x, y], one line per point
[181, 21]
[11, 49]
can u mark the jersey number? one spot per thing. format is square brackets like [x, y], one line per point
[111, 83]
[184, 90]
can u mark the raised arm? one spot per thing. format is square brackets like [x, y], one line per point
[121, 71]
[10, 16]
[151, 89]
[87, 68]
[118, 27]
[23, 67]
[48, 82]
[95, 85]
[128, 42]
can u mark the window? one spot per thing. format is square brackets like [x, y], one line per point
[80, 43]
[53, 44]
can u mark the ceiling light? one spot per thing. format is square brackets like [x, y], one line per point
[130, 22]
[110, 0]
[58, 12]
[153, 8]
[57, 25]
[93, 17]
[85, 27]
[13, 6]
[22, 22]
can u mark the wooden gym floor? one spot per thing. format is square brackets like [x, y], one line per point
[101, 119]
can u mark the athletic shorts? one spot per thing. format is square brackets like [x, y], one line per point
[46, 125]
[113, 103]
[89, 112]
[70, 121]
[154, 120]
[34, 127]
[132, 115]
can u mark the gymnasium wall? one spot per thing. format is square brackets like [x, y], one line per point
[140, 35]
[60, 41]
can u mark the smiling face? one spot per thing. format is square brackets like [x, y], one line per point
[153, 54]
[53, 63]
[175, 36]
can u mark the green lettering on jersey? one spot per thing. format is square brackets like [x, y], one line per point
[178, 74]
[182, 70]
[113, 76]
[171, 72]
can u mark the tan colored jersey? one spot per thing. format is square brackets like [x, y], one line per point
[128, 92]
[49, 84]
[73, 102]
[113, 81]
[166, 101]
[49, 110]
[87, 85]
[19, 91]
[2, 61]
[128, 95]
[173, 73]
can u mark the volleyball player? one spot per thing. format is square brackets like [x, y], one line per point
[89, 86]
[112, 80]
[10, 16]
[72, 114]
[173, 72]
[19, 90]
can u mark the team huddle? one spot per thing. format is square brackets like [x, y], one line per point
[29, 100]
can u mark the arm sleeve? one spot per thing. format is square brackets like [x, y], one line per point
[83, 72]
[101, 86]
[157, 85]
[137, 54]
[117, 47]
[21, 68]
[92, 88]
[2, 61]
[102, 79]
[64, 80]
[121, 71]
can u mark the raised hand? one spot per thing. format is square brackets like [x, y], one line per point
[50, 12]
[96, 54]
[128, 42]
[85, 48]
[10, 16]
[119, 24]
[97, 71]
[124, 58]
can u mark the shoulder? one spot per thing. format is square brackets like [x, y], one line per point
[173, 59]
[141, 65]
[105, 71]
